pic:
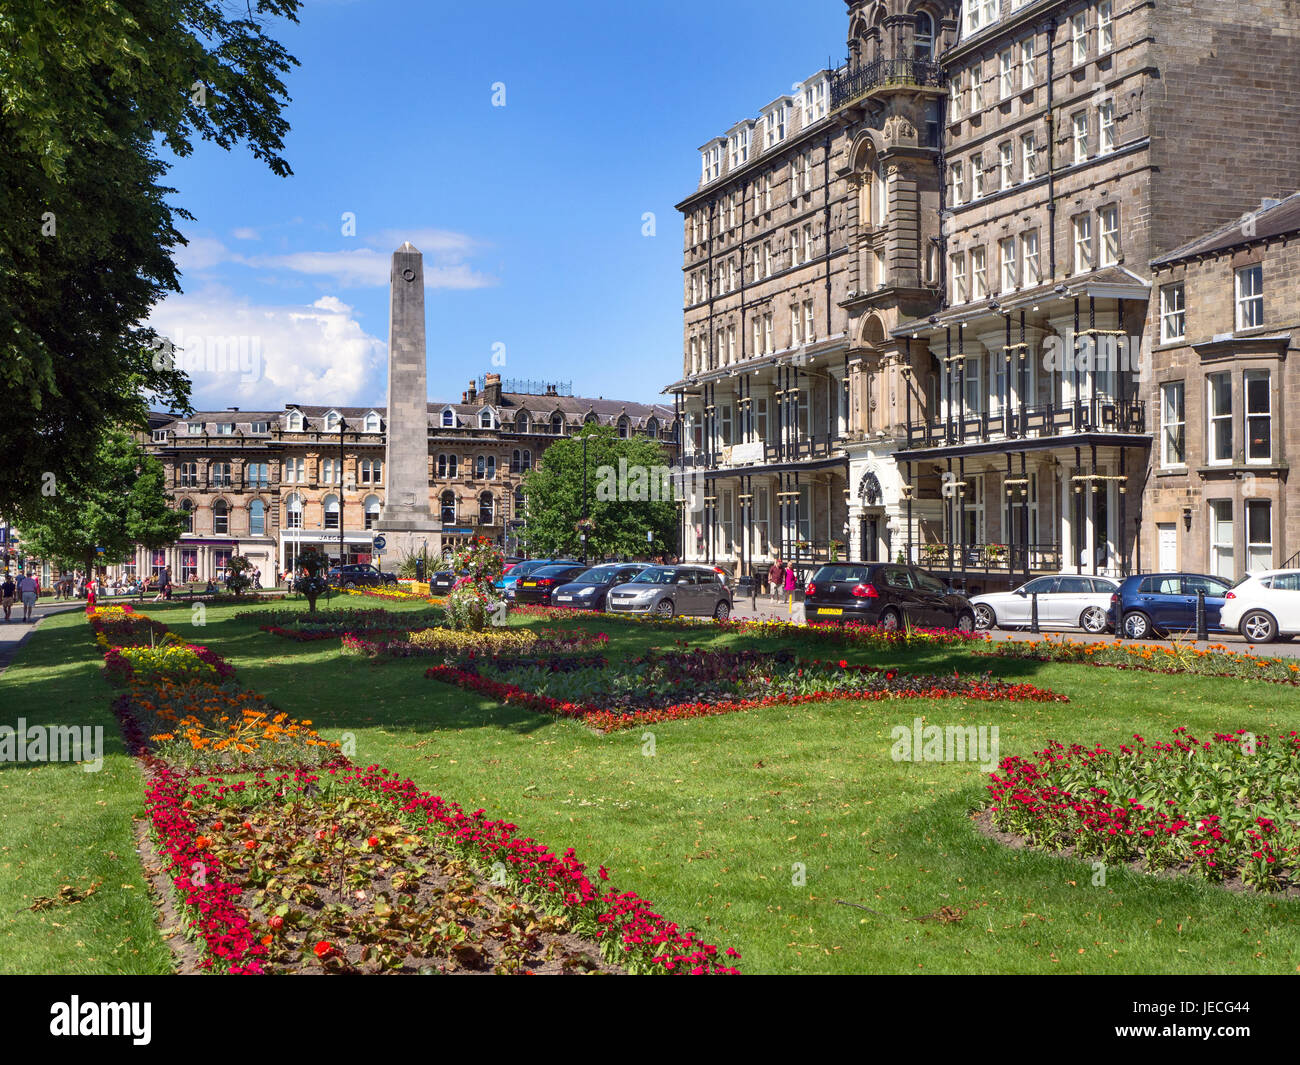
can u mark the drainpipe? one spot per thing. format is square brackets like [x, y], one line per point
[1051, 150]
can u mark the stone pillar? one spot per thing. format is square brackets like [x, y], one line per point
[405, 520]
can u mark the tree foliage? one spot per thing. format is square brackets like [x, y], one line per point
[626, 497]
[90, 96]
[122, 502]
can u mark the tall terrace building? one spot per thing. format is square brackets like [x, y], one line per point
[813, 233]
[1082, 140]
[268, 484]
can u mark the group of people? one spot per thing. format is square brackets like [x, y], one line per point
[25, 588]
[782, 579]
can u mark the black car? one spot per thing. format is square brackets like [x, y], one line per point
[360, 576]
[536, 587]
[886, 594]
[442, 580]
[589, 590]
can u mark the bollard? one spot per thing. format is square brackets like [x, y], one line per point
[1033, 614]
[1201, 633]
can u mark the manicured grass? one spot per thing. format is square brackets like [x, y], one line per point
[60, 825]
[713, 826]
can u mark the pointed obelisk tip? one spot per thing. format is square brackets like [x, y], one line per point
[407, 246]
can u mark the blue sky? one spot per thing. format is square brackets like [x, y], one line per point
[529, 215]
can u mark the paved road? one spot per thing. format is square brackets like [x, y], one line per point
[766, 610]
[14, 634]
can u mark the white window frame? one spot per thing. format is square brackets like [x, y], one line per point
[1010, 264]
[979, 273]
[1106, 127]
[1259, 553]
[1105, 27]
[1219, 548]
[1254, 417]
[1028, 76]
[1030, 268]
[1108, 224]
[1079, 37]
[1173, 312]
[1083, 250]
[1079, 136]
[960, 289]
[1028, 156]
[1006, 165]
[1248, 283]
[1006, 73]
[1173, 421]
[1218, 426]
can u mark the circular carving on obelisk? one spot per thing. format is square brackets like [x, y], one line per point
[408, 274]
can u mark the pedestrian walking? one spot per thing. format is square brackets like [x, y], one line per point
[167, 583]
[789, 587]
[776, 578]
[27, 588]
[7, 592]
[90, 595]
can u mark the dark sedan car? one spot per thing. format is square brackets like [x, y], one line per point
[885, 594]
[1159, 603]
[359, 576]
[590, 590]
[536, 587]
[442, 580]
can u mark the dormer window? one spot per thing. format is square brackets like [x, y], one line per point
[814, 101]
[711, 161]
[449, 419]
[225, 429]
[521, 423]
[294, 421]
[372, 423]
[195, 428]
[332, 420]
[738, 147]
[486, 419]
[775, 122]
[160, 436]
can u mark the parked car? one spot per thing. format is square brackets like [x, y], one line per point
[442, 580]
[537, 587]
[360, 575]
[1065, 601]
[590, 589]
[1158, 603]
[886, 594]
[508, 582]
[1263, 606]
[668, 590]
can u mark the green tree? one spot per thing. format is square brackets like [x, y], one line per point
[626, 497]
[91, 95]
[121, 503]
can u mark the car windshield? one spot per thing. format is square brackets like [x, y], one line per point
[552, 571]
[656, 575]
[597, 575]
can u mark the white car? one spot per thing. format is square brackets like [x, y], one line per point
[1263, 606]
[1065, 601]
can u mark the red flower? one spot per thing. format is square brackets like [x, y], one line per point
[325, 949]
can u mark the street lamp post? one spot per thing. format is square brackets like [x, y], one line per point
[342, 549]
[584, 498]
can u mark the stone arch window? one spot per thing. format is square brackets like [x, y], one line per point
[295, 421]
[256, 518]
[187, 515]
[516, 461]
[447, 508]
[652, 428]
[485, 467]
[624, 428]
[485, 419]
[487, 509]
[923, 36]
[332, 420]
[591, 419]
[528, 460]
[449, 419]
[521, 501]
[447, 465]
[372, 423]
[521, 423]
[293, 511]
[557, 424]
[331, 504]
[372, 506]
[221, 518]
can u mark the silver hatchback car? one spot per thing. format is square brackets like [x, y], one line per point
[665, 591]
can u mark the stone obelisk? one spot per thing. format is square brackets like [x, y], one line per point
[405, 521]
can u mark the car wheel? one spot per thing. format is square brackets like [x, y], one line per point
[965, 621]
[1093, 620]
[890, 620]
[1259, 627]
[664, 608]
[1137, 626]
[985, 618]
[722, 611]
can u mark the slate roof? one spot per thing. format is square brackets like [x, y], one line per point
[1274, 218]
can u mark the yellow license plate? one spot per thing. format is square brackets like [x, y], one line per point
[830, 610]
[530, 584]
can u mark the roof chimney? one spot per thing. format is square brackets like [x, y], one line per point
[473, 392]
[492, 389]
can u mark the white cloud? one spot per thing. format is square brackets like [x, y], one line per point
[258, 356]
[246, 233]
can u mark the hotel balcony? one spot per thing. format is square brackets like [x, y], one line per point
[1029, 423]
[852, 84]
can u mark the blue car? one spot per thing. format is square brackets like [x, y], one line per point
[1156, 604]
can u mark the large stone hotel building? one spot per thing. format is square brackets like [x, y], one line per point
[267, 484]
[1005, 293]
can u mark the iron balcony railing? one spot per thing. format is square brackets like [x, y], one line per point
[851, 83]
[988, 558]
[1091, 416]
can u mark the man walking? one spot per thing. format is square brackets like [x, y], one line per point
[7, 592]
[27, 587]
[776, 579]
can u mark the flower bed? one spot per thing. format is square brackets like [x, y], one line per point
[254, 874]
[391, 593]
[331, 624]
[1216, 661]
[674, 686]
[168, 660]
[452, 645]
[1220, 808]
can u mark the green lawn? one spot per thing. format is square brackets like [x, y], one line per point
[712, 827]
[61, 826]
